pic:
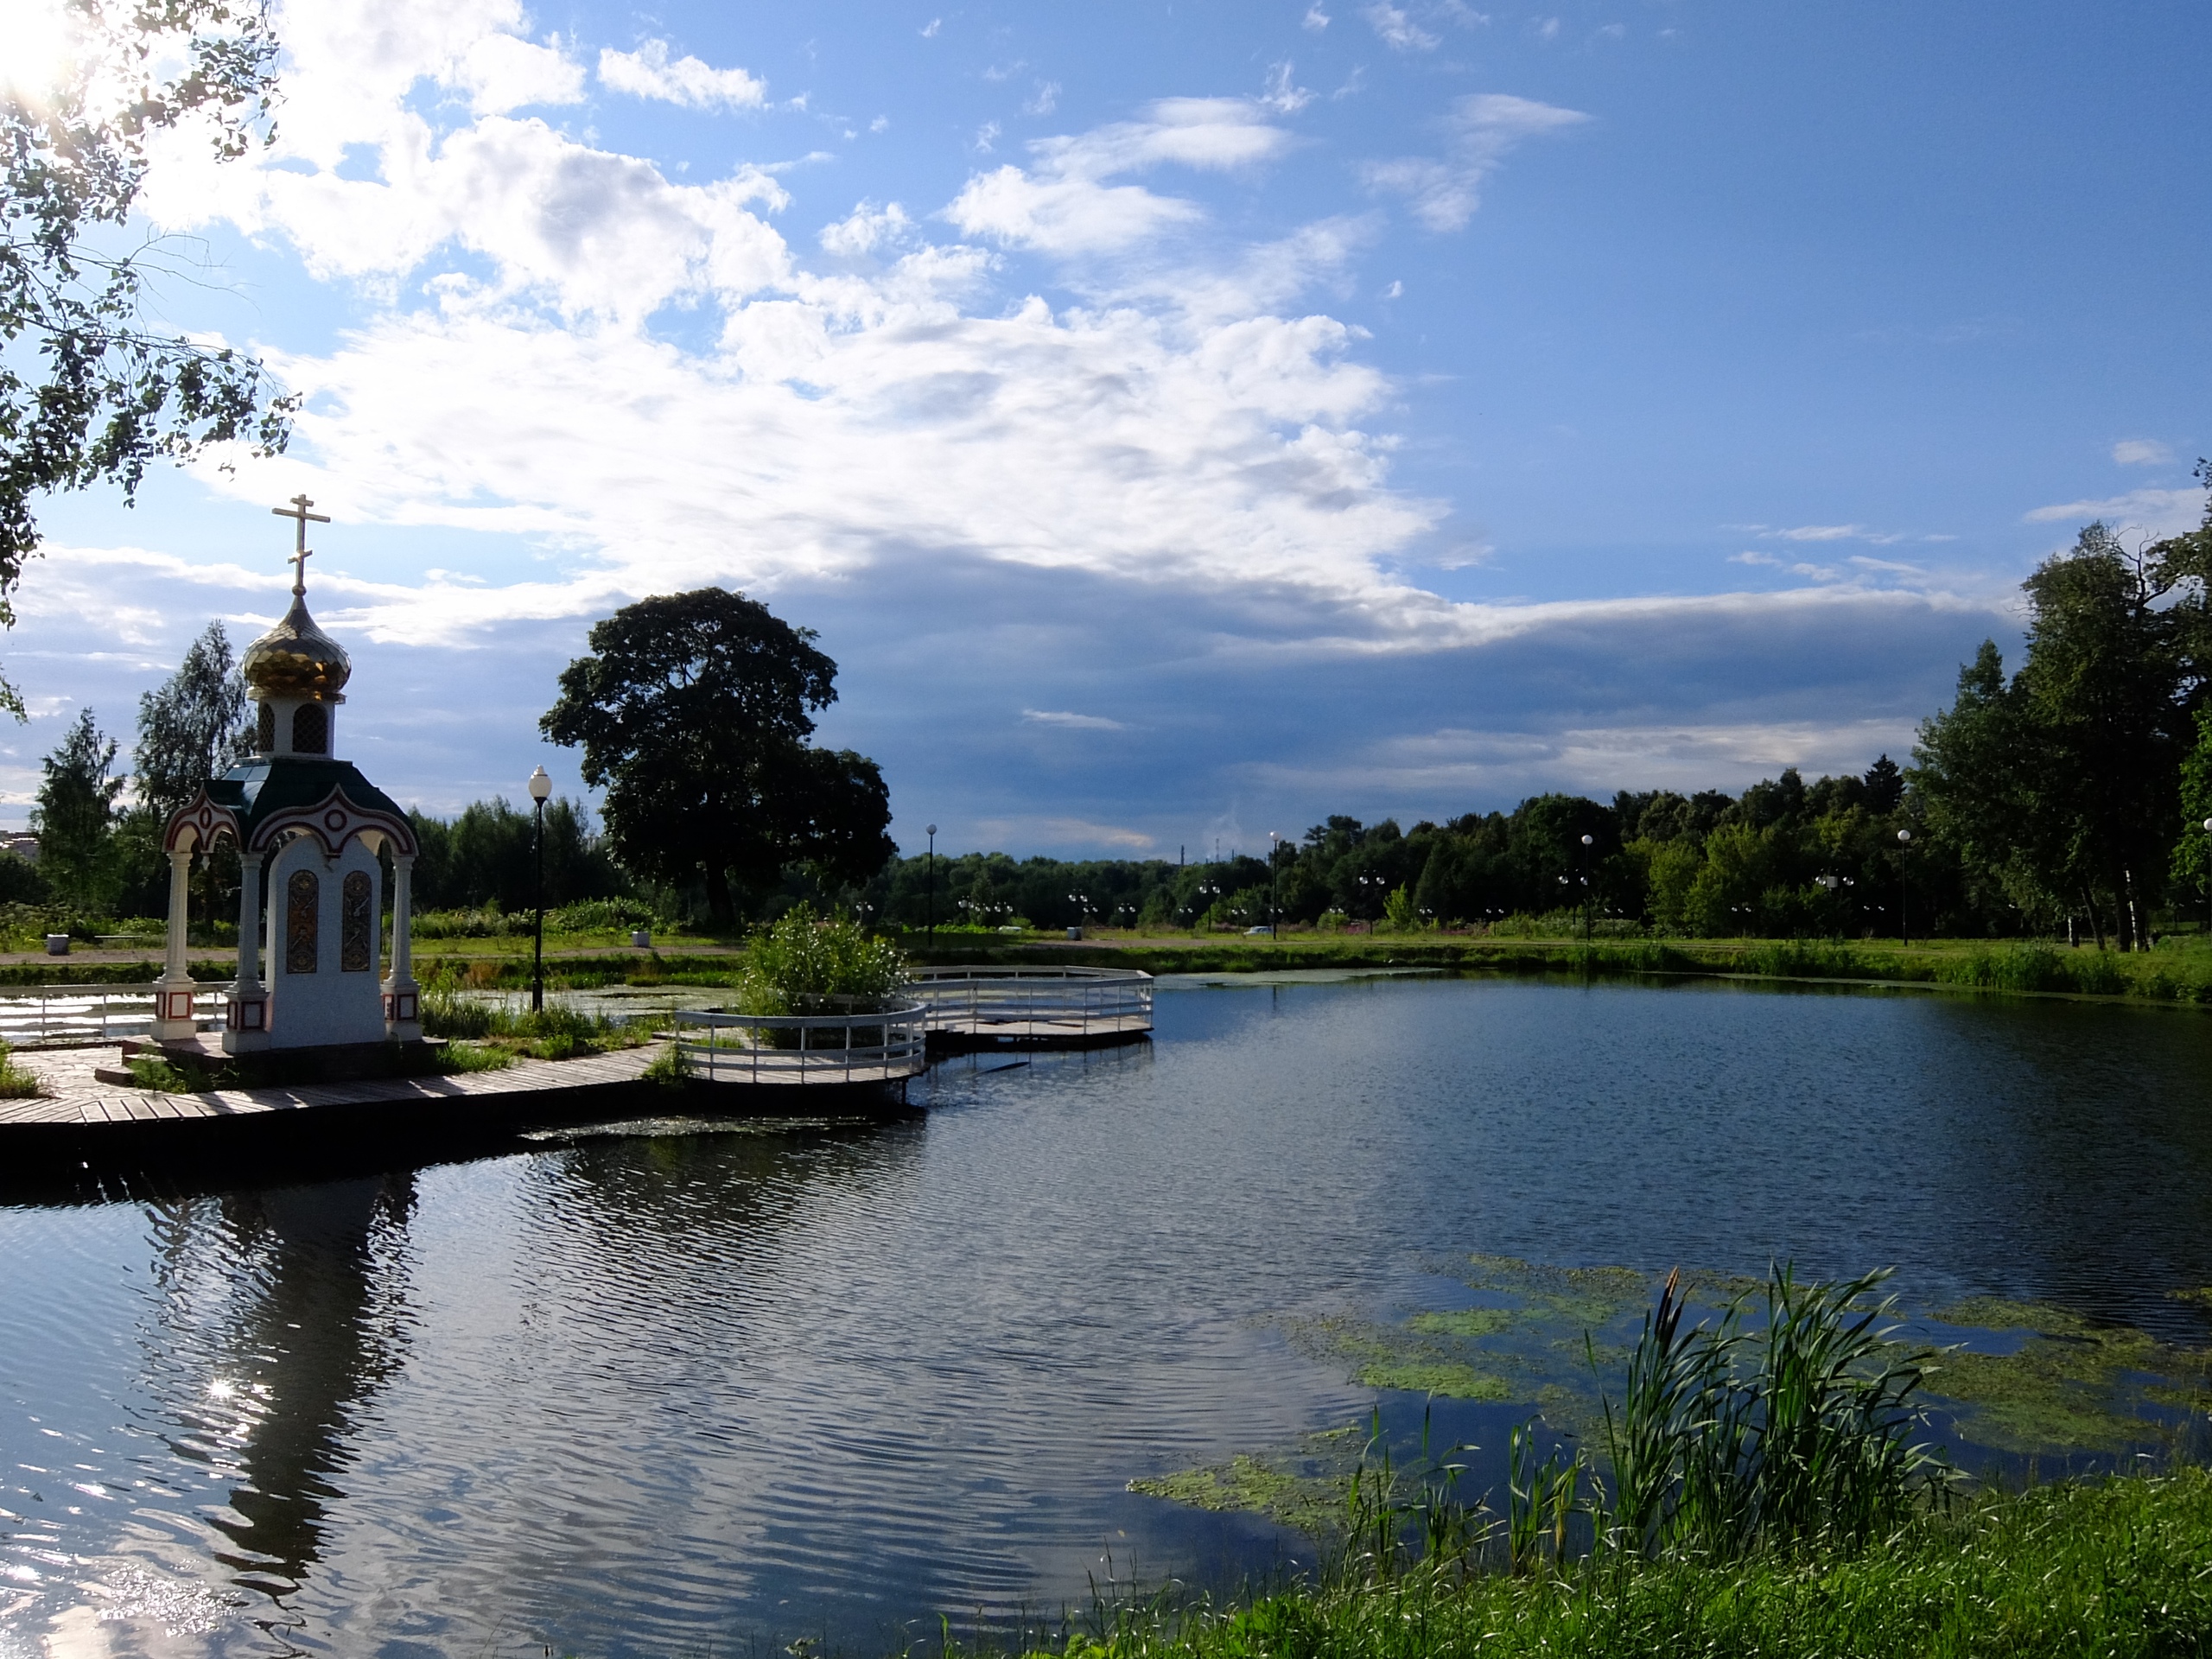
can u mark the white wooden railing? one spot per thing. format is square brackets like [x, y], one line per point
[862, 1046]
[1077, 1003]
[55, 1014]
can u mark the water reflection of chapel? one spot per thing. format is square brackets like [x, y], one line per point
[308, 829]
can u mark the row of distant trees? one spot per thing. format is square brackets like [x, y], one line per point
[2070, 797]
[1784, 857]
[2067, 797]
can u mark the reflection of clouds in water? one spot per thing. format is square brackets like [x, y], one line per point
[659, 1393]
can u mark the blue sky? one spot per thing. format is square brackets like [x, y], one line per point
[1181, 421]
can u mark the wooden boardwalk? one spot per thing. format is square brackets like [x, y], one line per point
[77, 1098]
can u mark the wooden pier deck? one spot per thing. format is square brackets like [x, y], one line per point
[86, 1124]
[78, 1098]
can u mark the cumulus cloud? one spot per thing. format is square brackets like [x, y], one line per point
[1483, 130]
[2141, 452]
[2153, 513]
[1396, 30]
[650, 73]
[504, 72]
[868, 229]
[1061, 203]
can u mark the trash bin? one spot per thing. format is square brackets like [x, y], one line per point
[641, 937]
[57, 945]
[1075, 932]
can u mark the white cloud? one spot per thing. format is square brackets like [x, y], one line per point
[1044, 100]
[1483, 130]
[1396, 30]
[1071, 723]
[503, 72]
[1063, 204]
[930, 29]
[2141, 452]
[868, 229]
[1283, 94]
[1316, 19]
[2152, 512]
[1061, 832]
[650, 73]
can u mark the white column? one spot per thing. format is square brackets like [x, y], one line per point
[173, 991]
[245, 1023]
[402, 1007]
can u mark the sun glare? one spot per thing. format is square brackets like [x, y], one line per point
[41, 37]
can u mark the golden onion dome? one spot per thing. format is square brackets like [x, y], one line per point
[295, 659]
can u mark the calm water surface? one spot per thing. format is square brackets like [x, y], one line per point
[708, 1393]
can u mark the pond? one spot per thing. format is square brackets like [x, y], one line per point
[697, 1390]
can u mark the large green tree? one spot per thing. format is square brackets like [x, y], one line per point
[693, 713]
[90, 391]
[75, 814]
[2064, 784]
[194, 728]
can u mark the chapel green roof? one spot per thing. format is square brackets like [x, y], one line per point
[267, 785]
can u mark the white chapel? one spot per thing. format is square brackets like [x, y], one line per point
[308, 827]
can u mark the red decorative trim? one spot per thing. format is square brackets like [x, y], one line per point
[250, 1013]
[400, 1007]
[176, 1005]
[333, 821]
[207, 822]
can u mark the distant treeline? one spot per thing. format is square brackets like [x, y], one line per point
[1785, 858]
[2072, 795]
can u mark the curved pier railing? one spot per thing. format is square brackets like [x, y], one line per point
[886, 1046]
[984, 1006]
[61, 1016]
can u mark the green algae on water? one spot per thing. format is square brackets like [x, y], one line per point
[1304, 1486]
[2072, 1385]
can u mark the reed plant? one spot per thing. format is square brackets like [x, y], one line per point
[1791, 1432]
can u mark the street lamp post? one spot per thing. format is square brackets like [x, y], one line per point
[930, 913]
[1904, 846]
[1275, 885]
[540, 787]
[1588, 842]
[2207, 884]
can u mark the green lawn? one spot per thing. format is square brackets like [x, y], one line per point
[2113, 1568]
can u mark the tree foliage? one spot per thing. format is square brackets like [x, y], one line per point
[486, 856]
[194, 728]
[90, 391]
[75, 812]
[2065, 785]
[693, 714]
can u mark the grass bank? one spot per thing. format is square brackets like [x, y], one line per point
[2180, 971]
[2119, 1568]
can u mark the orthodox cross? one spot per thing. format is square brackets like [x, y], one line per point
[298, 511]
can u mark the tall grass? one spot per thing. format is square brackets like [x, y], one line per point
[1732, 1437]
[2113, 1568]
[17, 1082]
[554, 1033]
